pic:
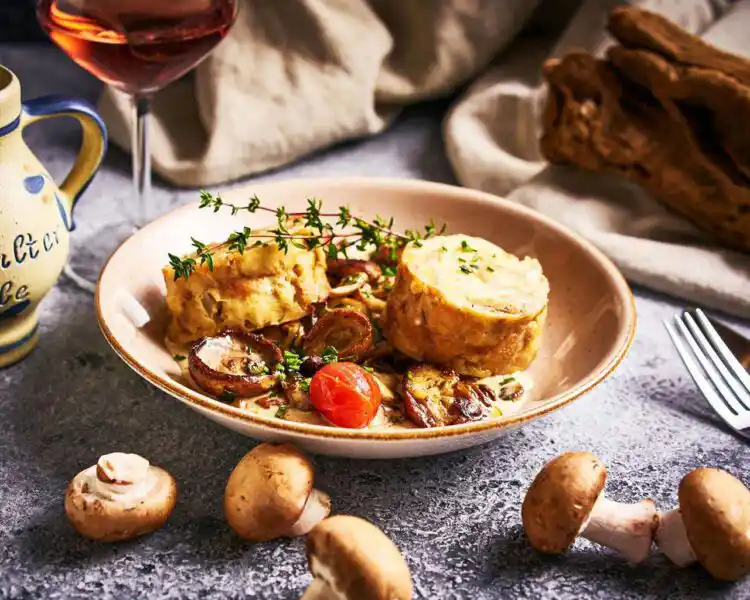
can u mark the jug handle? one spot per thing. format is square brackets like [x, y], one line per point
[93, 146]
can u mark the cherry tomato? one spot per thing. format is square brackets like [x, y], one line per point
[345, 394]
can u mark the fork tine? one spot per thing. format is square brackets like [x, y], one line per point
[729, 358]
[725, 393]
[700, 380]
[742, 395]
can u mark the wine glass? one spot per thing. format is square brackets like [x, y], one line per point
[138, 47]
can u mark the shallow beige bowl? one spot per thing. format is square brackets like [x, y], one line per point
[589, 329]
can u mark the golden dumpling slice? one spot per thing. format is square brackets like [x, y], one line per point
[464, 303]
[263, 286]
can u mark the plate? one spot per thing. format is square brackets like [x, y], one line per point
[590, 324]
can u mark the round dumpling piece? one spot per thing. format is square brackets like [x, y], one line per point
[464, 303]
[261, 287]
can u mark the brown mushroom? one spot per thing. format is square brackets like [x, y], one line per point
[436, 397]
[295, 387]
[566, 500]
[349, 302]
[348, 285]
[270, 494]
[428, 392]
[285, 336]
[347, 330]
[711, 525]
[352, 559]
[120, 498]
[348, 267]
[235, 363]
[373, 303]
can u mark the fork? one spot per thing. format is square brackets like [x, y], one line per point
[721, 378]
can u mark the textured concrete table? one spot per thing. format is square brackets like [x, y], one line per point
[456, 517]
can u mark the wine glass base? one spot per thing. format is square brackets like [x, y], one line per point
[89, 254]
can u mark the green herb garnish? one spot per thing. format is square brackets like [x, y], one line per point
[281, 412]
[388, 271]
[292, 360]
[366, 235]
[179, 357]
[465, 247]
[239, 239]
[183, 267]
[330, 355]
[304, 385]
[227, 396]
[257, 368]
[490, 269]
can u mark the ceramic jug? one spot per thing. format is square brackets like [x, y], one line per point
[35, 214]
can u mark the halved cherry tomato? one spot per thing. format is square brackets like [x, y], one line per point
[345, 394]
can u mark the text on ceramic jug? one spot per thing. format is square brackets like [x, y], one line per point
[26, 247]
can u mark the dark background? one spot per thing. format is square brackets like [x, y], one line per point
[18, 22]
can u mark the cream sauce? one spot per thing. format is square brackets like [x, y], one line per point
[386, 418]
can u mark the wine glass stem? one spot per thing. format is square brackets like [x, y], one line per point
[141, 159]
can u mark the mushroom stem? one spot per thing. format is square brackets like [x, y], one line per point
[672, 540]
[626, 528]
[319, 590]
[317, 508]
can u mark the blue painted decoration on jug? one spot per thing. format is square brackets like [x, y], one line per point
[34, 184]
[14, 310]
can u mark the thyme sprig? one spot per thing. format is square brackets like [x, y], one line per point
[366, 235]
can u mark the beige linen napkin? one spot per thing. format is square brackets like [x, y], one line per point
[296, 76]
[491, 138]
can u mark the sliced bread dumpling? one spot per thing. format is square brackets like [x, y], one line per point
[462, 302]
[261, 287]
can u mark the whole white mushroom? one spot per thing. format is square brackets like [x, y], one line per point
[121, 497]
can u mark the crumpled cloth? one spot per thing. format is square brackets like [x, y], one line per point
[295, 76]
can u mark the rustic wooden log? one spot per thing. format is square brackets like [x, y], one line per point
[665, 110]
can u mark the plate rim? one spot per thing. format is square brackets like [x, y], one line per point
[201, 402]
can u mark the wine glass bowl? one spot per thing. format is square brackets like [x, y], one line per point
[137, 46]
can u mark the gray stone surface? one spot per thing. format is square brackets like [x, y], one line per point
[456, 517]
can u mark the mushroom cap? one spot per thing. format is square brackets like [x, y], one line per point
[560, 500]
[355, 558]
[267, 491]
[715, 508]
[119, 498]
